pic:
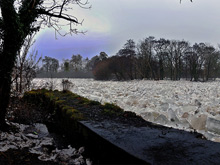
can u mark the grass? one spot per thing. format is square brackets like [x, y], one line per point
[70, 104]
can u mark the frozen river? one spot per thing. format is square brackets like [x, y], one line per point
[180, 104]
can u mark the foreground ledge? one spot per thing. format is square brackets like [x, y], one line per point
[145, 141]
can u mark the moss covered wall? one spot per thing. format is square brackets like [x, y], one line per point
[62, 106]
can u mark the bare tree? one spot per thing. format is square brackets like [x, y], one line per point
[196, 59]
[146, 55]
[20, 18]
[128, 56]
[25, 67]
[160, 47]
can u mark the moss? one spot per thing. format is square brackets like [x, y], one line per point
[77, 116]
[108, 112]
[60, 102]
[70, 111]
[92, 103]
[113, 107]
[47, 94]
[50, 95]
[82, 100]
[112, 110]
[31, 92]
[65, 108]
[68, 94]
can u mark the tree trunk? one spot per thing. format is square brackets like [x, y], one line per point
[4, 100]
[12, 41]
[8, 54]
[6, 65]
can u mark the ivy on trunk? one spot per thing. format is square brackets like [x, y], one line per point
[20, 18]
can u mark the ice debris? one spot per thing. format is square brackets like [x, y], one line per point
[180, 104]
[37, 139]
[213, 125]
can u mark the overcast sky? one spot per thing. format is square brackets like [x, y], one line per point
[109, 23]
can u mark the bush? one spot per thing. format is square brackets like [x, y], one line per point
[102, 71]
[66, 84]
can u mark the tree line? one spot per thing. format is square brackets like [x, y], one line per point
[75, 67]
[160, 59]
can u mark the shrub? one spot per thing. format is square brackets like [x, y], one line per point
[102, 71]
[66, 84]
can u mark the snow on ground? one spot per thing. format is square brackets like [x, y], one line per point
[180, 104]
[38, 140]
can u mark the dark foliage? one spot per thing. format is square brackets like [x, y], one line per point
[161, 59]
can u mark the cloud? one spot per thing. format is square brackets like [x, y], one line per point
[111, 22]
[92, 21]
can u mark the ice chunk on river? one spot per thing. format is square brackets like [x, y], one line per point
[199, 123]
[164, 106]
[161, 119]
[213, 125]
[189, 108]
[172, 115]
[150, 116]
[186, 99]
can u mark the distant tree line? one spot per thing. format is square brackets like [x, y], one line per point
[75, 67]
[157, 59]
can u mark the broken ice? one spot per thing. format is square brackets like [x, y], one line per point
[181, 104]
[36, 138]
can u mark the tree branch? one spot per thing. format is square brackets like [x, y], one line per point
[67, 17]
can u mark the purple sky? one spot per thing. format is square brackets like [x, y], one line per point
[65, 47]
[111, 22]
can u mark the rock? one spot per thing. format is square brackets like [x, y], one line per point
[213, 125]
[199, 123]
